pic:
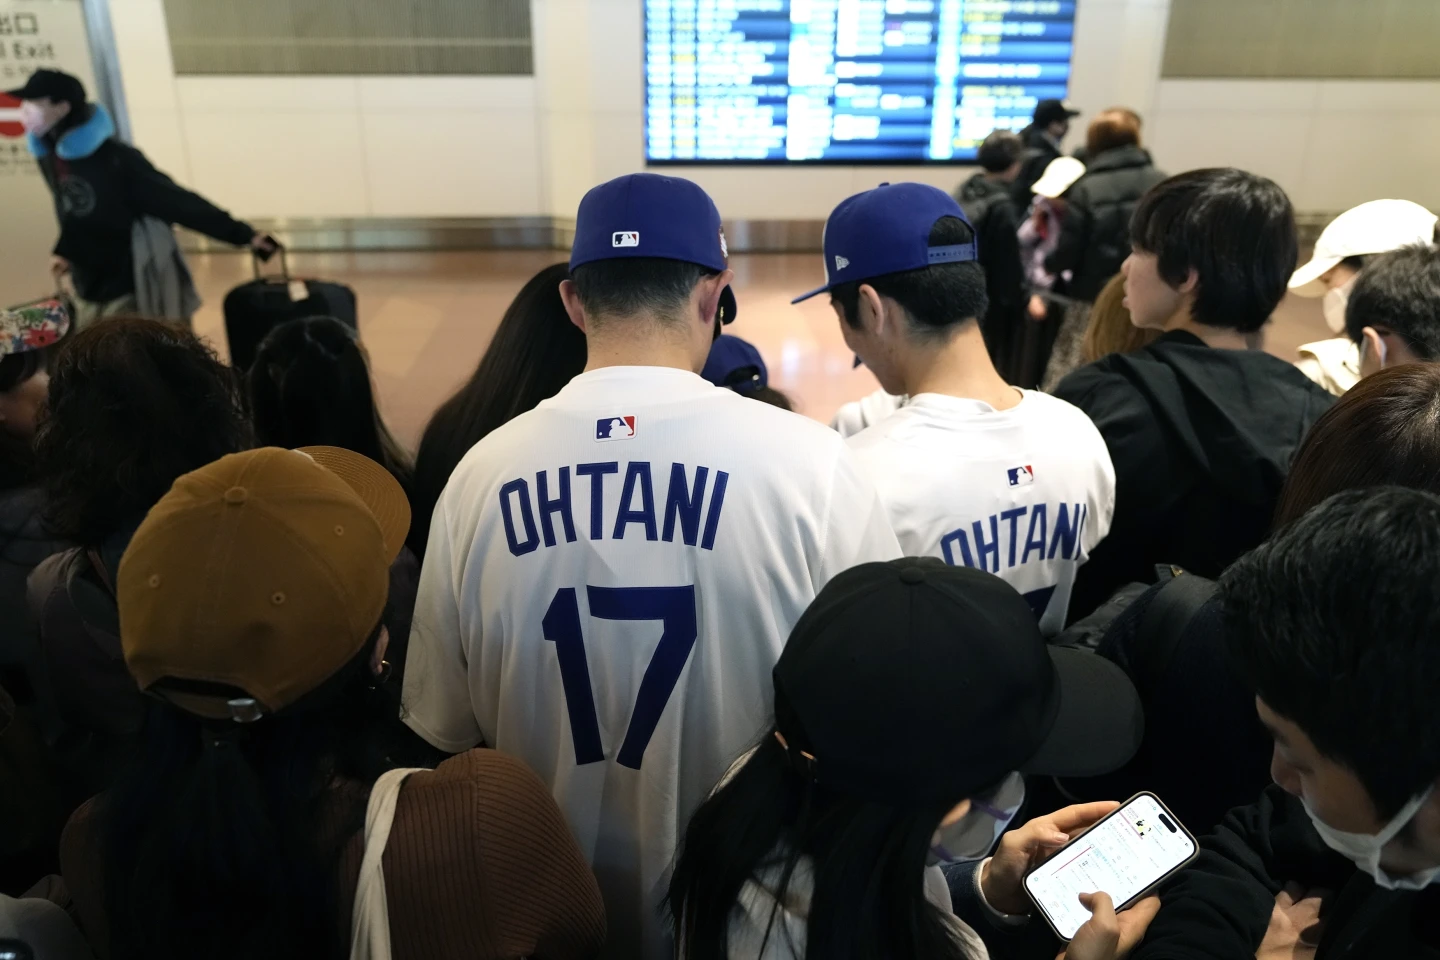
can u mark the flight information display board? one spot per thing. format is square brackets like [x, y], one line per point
[846, 81]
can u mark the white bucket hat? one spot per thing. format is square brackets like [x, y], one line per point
[1375, 227]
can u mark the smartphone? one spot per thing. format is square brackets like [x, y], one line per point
[15, 950]
[1124, 855]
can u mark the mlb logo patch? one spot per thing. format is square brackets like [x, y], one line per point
[1021, 476]
[614, 428]
[625, 238]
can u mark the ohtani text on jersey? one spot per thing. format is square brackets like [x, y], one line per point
[543, 511]
[1002, 535]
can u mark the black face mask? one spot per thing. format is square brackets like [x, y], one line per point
[718, 325]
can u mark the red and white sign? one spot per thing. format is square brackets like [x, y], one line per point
[10, 125]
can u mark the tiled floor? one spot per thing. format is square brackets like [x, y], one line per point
[427, 317]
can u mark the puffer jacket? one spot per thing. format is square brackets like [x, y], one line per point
[1095, 238]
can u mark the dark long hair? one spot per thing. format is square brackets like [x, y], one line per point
[1384, 431]
[310, 386]
[536, 350]
[868, 859]
[223, 841]
[133, 405]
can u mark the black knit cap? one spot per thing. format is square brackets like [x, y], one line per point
[920, 684]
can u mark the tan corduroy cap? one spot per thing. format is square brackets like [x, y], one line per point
[265, 571]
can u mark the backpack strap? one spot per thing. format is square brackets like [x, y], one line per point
[1163, 624]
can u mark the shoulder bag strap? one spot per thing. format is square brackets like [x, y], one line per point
[370, 919]
[1163, 624]
[98, 565]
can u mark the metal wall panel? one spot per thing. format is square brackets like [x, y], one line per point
[350, 37]
[1305, 39]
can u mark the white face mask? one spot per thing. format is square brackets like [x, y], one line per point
[1334, 304]
[974, 835]
[36, 120]
[1364, 849]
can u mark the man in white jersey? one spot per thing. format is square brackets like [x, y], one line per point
[611, 577]
[972, 470]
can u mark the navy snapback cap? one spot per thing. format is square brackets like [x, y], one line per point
[887, 230]
[647, 215]
[736, 364]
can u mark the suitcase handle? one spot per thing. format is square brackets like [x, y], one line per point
[284, 263]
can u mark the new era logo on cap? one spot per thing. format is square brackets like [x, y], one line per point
[887, 230]
[625, 238]
[614, 428]
[1021, 476]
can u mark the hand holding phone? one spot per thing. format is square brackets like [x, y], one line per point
[1020, 851]
[1108, 935]
[1123, 855]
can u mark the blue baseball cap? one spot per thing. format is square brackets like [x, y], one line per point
[887, 230]
[647, 215]
[736, 364]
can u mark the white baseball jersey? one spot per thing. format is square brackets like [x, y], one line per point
[861, 414]
[1025, 493]
[609, 581]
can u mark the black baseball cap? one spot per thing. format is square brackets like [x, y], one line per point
[1053, 111]
[916, 683]
[51, 85]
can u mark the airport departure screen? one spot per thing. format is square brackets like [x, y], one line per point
[846, 81]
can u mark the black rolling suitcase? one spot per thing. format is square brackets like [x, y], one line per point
[258, 306]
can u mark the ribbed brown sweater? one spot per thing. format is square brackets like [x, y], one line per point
[480, 865]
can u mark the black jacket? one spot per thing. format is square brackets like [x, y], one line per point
[1204, 751]
[24, 543]
[1218, 908]
[1201, 440]
[1039, 151]
[992, 213]
[101, 187]
[1095, 238]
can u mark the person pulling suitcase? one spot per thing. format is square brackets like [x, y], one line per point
[116, 247]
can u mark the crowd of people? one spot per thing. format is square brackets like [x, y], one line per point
[629, 660]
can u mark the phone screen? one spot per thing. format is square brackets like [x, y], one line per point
[1123, 855]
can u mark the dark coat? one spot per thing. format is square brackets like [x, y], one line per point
[1219, 906]
[101, 710]
[1039, 151]
[1204, 751]
[993, 214]
[24, 542]
[1095, 238]
[1201, 440]
[101, 187]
